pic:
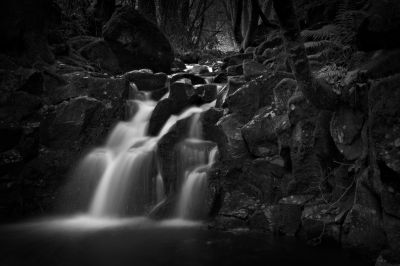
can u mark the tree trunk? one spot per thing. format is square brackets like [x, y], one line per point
[245, 17]
[252, 25]
[102, 10]
[148, 9]
[237, 33]
[318, 94]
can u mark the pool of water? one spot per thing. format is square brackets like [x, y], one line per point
[85, 241]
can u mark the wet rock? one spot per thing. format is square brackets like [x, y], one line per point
[146, 81]
[238, 204]
[235, 70]
[252, 69]
[208, 121]
[306, 167]
[246, 100]
[64, 127]
[221, 97]
[282, 93]
[265, 176]
[230, 141]
[234, 83]
[259, 134]
[180, 94]
[199, 70]
[221, 78]
[163, 110]
[346, 129]
[137, 42]
[195, 80]
[158, 94]
[112, 90]
[237, 59]
[284, 218]
[322, 223]
[100, 54]
[205, 93]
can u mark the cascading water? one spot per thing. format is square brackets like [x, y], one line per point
[191, 204]
[195, 157]
[125, 169]
[130, 172]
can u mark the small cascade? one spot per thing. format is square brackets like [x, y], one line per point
[195, 157]
[192, 200]
[125, 187]
[124, 173]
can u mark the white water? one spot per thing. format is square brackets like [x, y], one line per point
[192, 199]
[126, 168]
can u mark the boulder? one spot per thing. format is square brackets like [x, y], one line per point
[64, 127]
[199, 70]
[100, 54]
[205, 93]
[145, 81]
[235, 70]
[137, 42]
[282, 93]
[346, 126]
[195, 80]
[253, 69]
[259, 134]
[284, 218]
[160, 115]
[221, 78]
[181, 93]
[231, 144]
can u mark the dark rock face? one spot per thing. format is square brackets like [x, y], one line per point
[162, 112]
[259, 134]
[137, 42]
[346, 126]
[99, 53]
[48, 120]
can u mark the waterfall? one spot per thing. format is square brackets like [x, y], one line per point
[124, 173]
[126, 185]
[195, 157]
[192, 199]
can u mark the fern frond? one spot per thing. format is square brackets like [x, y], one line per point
[324, 33]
